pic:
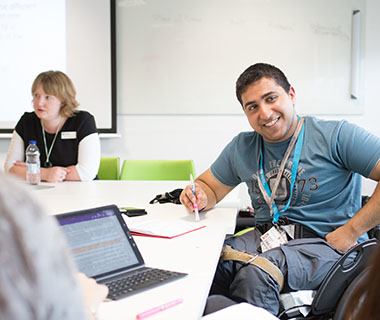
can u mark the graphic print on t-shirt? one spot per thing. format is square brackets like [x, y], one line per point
[301, 190]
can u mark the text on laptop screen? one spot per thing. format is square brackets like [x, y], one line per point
[98, 242]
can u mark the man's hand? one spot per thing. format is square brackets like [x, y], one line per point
[341, 239]
[188, 199]
[208, 191]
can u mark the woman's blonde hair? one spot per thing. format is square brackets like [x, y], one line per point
[58, 84]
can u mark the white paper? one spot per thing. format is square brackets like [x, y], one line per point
[241, 311]
[163, 228]
[301, 298]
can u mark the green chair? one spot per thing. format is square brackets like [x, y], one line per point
[157, 170]
[109, 168]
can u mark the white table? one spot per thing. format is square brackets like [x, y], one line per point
[195, 253]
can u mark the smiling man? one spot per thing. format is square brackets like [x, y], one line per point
[304, 180]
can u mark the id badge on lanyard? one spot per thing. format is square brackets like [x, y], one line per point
[276, 235]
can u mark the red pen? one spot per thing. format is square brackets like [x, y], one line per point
[158, 309]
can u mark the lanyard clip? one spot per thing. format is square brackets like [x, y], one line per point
[277, 226]
[283, 221]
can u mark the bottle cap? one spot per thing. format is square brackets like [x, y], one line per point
[32, 142]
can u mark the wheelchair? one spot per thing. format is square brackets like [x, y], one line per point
[332, 296]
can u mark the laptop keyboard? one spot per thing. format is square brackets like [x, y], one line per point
[140, 280]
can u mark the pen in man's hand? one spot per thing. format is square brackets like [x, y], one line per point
[195, 204]
[158, 309]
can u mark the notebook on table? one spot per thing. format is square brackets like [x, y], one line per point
[103, 248]
[163, 228]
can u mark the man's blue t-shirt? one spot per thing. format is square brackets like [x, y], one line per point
[327, 191]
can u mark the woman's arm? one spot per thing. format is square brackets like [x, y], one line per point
[88, 160]
[85, 170]
[16, 155]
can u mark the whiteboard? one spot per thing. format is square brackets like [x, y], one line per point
[91, 58]
[73, 36]
[183, 57]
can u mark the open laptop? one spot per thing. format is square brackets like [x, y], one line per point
[104, 249]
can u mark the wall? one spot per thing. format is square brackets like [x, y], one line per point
[202, 137]
[179, 45]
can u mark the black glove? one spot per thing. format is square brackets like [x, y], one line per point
[172, 197]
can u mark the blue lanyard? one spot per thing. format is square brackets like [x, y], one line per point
[264, 187]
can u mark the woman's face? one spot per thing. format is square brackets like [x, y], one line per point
[46, 107]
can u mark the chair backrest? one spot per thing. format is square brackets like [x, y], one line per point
[345, 270]
[157, 170]
[109, 168]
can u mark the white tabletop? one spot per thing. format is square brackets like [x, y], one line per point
[195, 253]
[70, 196]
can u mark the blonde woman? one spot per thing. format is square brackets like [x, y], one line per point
[67, 138]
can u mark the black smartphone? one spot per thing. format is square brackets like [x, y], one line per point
[133, 212]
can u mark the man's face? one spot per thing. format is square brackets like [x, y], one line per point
[270, 110]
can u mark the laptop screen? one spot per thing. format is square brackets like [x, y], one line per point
[100, 241]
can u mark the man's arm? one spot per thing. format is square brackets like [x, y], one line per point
[365, 219]
[208, 190]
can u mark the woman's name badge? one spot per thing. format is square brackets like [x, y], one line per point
[68, 135]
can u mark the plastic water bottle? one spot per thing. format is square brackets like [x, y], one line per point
[32, 163]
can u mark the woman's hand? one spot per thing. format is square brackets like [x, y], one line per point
[54, 174]
[93, 293]
[20, 164]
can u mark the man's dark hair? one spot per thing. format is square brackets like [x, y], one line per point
[255, 73]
